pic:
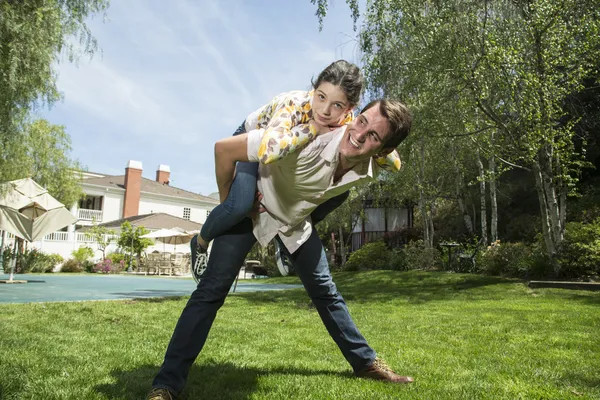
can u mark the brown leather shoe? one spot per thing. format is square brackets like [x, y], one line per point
[159, 394]
[380, 371]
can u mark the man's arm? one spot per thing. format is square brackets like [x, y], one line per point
[228, 151]
[326, 208]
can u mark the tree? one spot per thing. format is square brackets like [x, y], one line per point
[341, 221]
[33, 33]
[48, 162]
[510, 65]
[102, 236]
[130, 239]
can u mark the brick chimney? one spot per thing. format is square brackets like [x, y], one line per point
[133, 186]
[163, 173]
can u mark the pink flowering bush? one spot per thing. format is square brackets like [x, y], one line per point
[103, 267]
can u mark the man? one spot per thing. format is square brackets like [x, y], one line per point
[292, 188]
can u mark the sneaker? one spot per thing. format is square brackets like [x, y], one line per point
[199, 259]
[159, 394]
[284, 264]
[380, 371]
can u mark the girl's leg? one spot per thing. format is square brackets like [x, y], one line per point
[238, 203]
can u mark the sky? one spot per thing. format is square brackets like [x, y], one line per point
[171, 78]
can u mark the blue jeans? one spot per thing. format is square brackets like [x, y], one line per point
[240, 200]
[228, 253]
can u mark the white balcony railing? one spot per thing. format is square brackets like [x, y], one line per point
[89, 215]
[57, 237]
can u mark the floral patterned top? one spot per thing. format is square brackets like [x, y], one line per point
[285, 121]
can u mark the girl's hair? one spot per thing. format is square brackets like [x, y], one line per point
[345, 75]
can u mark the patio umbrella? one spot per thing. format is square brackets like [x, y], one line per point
[28, 211]
[172, 236]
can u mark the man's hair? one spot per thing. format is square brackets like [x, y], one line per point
[399, 119]
[345, 75]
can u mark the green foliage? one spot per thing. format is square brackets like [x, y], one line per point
[579, 254]
[71, 265]
[322, 6]
[472, 69]
[33, 35]
[82, 254]
[37, 261]
[374, 255]
[116, 257]
[130, 239]
[518, 260]
[102, 236]
[416, 255]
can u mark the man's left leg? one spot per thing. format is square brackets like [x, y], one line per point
[310, 263]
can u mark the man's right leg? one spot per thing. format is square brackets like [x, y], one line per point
[227, 256]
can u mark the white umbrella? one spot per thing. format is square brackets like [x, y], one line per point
[173, 236]
[29, 212]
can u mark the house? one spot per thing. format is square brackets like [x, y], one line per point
[380, 219]
[111, 199]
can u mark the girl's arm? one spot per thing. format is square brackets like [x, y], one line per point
[287, 128]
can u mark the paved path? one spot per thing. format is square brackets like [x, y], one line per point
[62, 287]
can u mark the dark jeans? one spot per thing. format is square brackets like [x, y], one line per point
[240, 200]
[228, 253]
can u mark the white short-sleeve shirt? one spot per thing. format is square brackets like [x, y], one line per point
[294, 186]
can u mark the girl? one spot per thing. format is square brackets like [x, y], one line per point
[291, 120]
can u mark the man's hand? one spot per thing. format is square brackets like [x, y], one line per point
[257, 207]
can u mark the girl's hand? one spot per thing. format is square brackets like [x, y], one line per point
[318, 128]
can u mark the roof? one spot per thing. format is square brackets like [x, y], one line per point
[153, 221]
[150, 186]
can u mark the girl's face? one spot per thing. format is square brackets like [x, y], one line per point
[330, 104]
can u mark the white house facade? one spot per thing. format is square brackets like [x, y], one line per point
[110, 198]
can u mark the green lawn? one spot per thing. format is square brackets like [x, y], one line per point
[459, 336]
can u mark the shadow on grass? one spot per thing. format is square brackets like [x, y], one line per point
[413, 286]
[152, 293]
[212, 380]
[155, 299]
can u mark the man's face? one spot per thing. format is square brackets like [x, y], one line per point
[365, 136]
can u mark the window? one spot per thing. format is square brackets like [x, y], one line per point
[186, 213]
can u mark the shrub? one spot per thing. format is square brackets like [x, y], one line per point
[579, 254]
[374, 255]
[103, 266]
[518, 260]
[417, 256]
[82, 254]
[116, 258]
[43, 262]
[71, 265]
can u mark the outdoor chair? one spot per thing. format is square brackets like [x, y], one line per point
[466, 259]
[164, 264]
[153, 263]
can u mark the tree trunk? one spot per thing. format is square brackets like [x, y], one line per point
[493, 202]
[482, 198]
[342, 249]
[422, 199]
[548, 177]
[460, 198]
[546, 228]
[430, 223]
